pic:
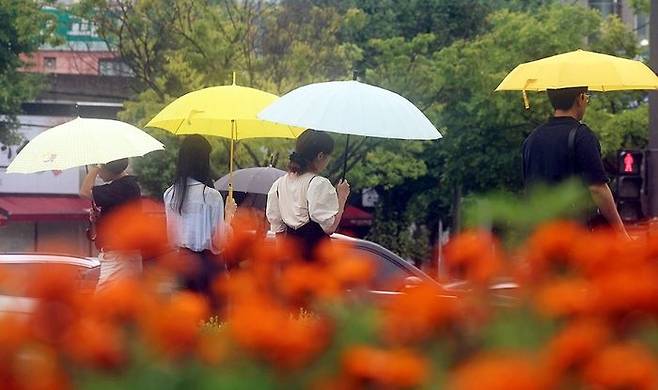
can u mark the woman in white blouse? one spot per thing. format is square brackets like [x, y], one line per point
[301, 204]
[197, 220]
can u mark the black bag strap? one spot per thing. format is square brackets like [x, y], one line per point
[572, 150]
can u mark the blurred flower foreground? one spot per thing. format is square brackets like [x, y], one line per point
[579, 311]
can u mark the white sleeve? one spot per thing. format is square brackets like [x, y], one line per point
[171, 217]
[322, 202]
[272, 211]
[220, 230]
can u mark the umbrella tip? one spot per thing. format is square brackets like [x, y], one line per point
[233, 78]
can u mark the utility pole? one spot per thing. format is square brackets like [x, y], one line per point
[652, 174]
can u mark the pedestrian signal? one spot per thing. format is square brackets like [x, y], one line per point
[629, 185]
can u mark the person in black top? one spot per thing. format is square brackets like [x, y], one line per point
[564, 147]
[120, 189]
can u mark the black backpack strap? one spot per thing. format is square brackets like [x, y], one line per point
[572, 150]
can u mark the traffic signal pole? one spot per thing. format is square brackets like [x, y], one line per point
[652, 174]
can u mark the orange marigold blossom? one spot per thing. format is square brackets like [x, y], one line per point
[38, 368]
[604, 252]
[500, 371]
[628, 290]
[622, 366]
[419, 313]
[304, 281]
[474, 255]
[576, 344]
[548, 249]
[565, 297]
[91, 342]
[243, 240]
[272, 333]
[138, 225]
[173, 327]
[352, 270]
[397, 368]
[126, 299]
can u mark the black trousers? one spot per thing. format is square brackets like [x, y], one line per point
[205, 267]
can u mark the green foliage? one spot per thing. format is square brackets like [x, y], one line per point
[446, 57]
[23, 28]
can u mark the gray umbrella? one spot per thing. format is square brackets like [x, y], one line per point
[257, 180]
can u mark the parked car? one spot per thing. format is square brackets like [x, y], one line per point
[17, 268]
[392, 274]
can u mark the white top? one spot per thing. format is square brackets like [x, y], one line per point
[200, 226]
[293, 199]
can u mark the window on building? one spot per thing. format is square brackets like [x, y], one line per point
[642, 26]
[50, 63]
[113, 67]
[606, 7]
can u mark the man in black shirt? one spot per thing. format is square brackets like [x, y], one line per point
[564, 147]
[120, 189]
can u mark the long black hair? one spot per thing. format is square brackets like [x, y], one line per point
[193, 163]
[309, 144]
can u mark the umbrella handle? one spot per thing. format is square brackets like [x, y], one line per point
[230, 173]
[347, 147]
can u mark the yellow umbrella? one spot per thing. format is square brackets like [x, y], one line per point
[226, 111]
[580, 68]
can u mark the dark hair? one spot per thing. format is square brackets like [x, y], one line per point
[193, 163]
[116, 167]
[309, 144]
[564, 98]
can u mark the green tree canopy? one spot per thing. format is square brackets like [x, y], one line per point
[23, 28]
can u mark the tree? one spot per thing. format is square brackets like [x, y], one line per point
[23, 28]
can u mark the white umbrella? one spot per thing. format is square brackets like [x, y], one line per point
[82, 141]
[351, 107]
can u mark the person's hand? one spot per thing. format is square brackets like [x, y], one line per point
[343, 190]
[230, 208]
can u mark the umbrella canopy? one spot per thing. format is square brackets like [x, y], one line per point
[580, 68]
[351, 107]
[227, 111]
[257, 180]
[80, 142]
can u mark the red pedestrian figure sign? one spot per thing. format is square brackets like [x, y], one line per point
[628, 163]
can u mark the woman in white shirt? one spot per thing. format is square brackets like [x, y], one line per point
[301, 204]
[197, 221]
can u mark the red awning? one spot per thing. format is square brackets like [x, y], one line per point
[43, 208]
[354, 216]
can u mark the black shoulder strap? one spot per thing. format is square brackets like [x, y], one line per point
[572, 150]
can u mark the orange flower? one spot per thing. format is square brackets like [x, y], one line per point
[136, 226]
[270, 332]
[386, 368]
[622, 366]
[499, 372]
[95, 343]
[475, 256]
[243, 240]
[565, 297]
[174, 327]
[301, 282]
[604, 252]
[548, 249]
[38, 368]
[351, 270]
[125, 299]
[418, 313]
[575, 345]
[629, 290]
